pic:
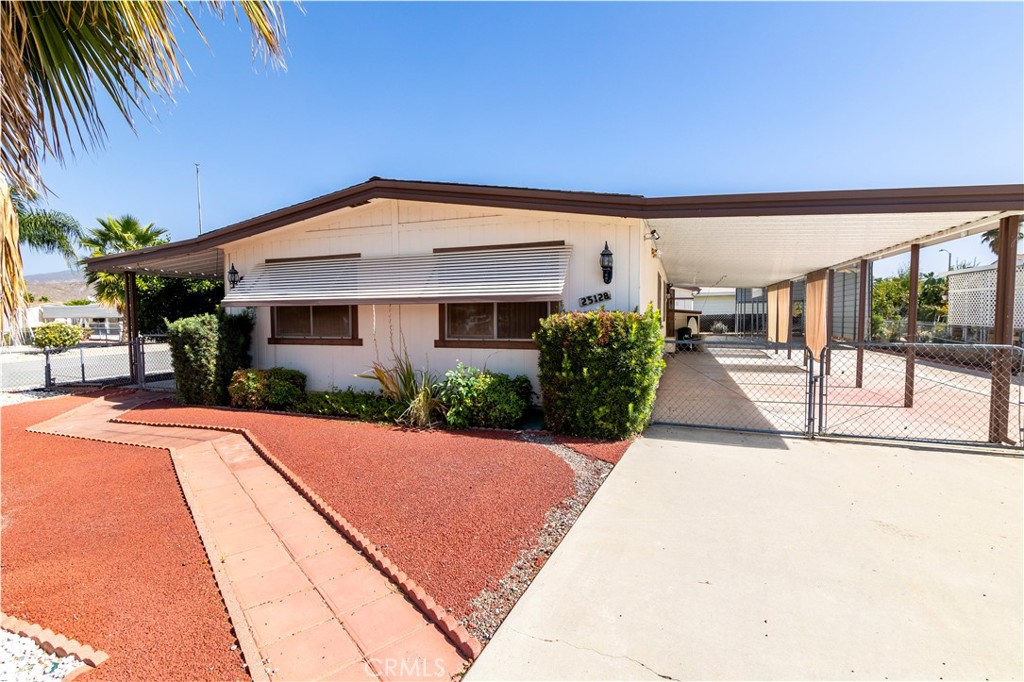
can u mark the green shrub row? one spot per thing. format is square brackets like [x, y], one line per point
[206, 350]
[363, 405]
[599, 371]
[276, 388]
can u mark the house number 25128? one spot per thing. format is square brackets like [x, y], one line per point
[595, 298]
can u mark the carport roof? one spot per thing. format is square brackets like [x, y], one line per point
[751, 239]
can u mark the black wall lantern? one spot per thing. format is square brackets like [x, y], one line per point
[233, 278]
[606, 264]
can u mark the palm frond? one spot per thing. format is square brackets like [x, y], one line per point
[11, 280]
[56, 57]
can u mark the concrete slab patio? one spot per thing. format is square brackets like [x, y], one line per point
[714, 555]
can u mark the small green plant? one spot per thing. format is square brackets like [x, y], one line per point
[57, 336]
[417, 391]
[78, 301]
[276, 388]
[719, 328]
[478, 398]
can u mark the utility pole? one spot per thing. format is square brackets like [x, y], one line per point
[199, 199]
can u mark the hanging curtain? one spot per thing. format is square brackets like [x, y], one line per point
[816, 312]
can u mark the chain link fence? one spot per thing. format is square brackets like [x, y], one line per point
[737, 384]
[85, 364]
[922, 391]
[951, 393]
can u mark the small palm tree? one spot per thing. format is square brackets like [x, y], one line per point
[46, 230]
[59, 58]
[991, 239]
[116, 235]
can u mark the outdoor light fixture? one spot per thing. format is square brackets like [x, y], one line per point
[652, 235]
[606, 264]
[655, 252]
[233, 278]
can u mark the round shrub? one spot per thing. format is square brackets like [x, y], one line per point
[57, 336]
[276, 388]
[599, 371]
[478, 398]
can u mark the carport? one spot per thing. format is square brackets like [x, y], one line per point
[778, 385]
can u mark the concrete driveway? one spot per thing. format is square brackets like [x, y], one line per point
[715, 555]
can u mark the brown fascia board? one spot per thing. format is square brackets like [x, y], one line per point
[914, 200]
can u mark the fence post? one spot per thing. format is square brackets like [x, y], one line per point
[47, 375]
[141, 364]
[81, 361]
[826, 354]
[811, 379]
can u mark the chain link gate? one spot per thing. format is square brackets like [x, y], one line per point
[932, 392]
[894, 391]
[738, 385]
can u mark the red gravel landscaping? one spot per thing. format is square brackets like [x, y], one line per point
[451, 509]
[610, 451]
[98, 544]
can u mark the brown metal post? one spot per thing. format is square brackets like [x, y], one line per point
[864, 279]
[915, 270]
[830, 293]
[1006, 272]
[131, 315]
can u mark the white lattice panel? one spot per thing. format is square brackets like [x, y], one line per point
[972, 298]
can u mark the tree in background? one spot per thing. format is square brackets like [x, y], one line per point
[57, 58]
[991, 239]
[172, 298]
[44, 229]
[890, 301]
[116, 235]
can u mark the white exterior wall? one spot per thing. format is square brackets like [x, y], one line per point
[716, 304]
[396, 228]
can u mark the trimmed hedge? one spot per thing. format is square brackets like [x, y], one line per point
[599, 371]
[193, 342]
[480, 398]
[276, 388]
[233, 342]
[57, 336]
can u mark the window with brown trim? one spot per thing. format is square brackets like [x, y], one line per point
[491, 325]
[315, 325]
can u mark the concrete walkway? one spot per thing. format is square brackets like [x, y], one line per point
[305, 604]
[714, 555]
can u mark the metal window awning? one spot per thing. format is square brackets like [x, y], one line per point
[515, 274]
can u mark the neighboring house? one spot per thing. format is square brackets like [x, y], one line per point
[100, 318]
[972, 296]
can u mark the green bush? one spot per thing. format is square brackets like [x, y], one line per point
[78, 301]
[599, 371]
[56, 336]
[480, 398]
[363, 405]
[193, 342]
[276, 388]
[233, 342]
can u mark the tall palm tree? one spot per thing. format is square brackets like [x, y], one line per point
[46, 230]
[116, 235]
[57, 58]
[991, 239]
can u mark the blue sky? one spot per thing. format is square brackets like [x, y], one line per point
[654, 99]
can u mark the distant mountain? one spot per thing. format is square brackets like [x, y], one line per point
[66, 285]
[61, 276]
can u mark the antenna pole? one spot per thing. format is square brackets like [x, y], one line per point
[199, 199]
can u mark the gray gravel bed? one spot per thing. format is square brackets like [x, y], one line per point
[13, 398]
[22, 660]
[491, 606]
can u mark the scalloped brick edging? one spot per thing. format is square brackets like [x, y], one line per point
[54, 643]
[469, 645]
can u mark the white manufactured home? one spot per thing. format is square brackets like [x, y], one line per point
[455, 272]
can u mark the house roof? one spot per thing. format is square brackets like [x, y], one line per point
[803, 214]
